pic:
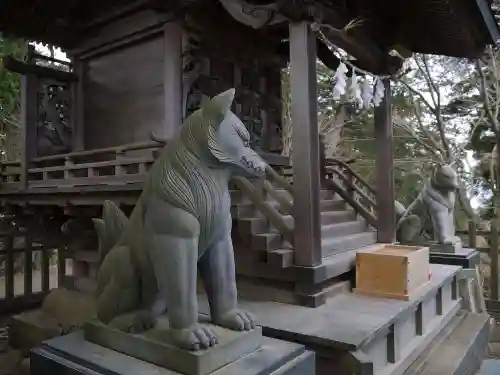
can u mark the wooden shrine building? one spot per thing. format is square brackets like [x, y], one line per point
[139, 67]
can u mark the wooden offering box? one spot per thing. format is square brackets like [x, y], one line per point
[392, 271]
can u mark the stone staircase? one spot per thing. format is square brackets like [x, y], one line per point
[342, 229]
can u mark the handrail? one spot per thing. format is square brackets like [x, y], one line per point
[355, 187]
[265, 208]
[280, 180]
[117, 149]
[358, 207]
[356, 175]
[347, 192]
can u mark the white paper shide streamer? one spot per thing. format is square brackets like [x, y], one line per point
[379, 93]
[340, 81]
[367, 93]
[355, 90]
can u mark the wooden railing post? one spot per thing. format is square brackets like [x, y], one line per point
[322, 159]
[119, 170]
[472, 234]
[494, 261]
[29, 111]
[68, 162]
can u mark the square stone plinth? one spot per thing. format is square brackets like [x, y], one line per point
[451, 248]
[156, 346]
[71, 354]
[466, 258]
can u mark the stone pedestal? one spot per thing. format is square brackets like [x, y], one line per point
[72, 354]
[446, 248]
[156, 346]
[467, 258]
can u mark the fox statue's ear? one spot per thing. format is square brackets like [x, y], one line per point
[218, 106]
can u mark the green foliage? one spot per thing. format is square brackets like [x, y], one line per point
[10, 96]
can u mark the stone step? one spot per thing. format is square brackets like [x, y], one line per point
[343, 229]
[246, 209]
[273, 240]
[238, 197]
[336, 245]
[329, 217]
[251, 225]
[266, 241]
[458, 349]
[280, 258]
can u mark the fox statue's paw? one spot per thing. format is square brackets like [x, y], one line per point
[195, 337]
[237, 320]
[136, 322]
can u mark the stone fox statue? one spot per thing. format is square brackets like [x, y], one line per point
[437, 199]
[181, 224]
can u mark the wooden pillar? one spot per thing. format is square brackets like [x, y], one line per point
[77, 104]
[305, 145]
[386, 211]
[29, 112]
[172, 78]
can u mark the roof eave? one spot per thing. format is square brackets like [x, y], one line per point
[490, 24]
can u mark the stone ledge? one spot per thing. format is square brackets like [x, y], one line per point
[72, 352]
[345, 322]
[156, 346]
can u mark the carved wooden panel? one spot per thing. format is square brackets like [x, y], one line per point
[231, 55]
[124, 95]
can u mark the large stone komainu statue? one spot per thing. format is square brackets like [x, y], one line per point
[181, 224]
[437, 199]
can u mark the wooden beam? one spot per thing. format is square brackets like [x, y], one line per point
[77, 105]
[172, 78]
[20, 67]
[489, 21]
[305, 145]
[385, 192]
[29, 112]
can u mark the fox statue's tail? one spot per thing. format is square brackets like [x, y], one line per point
[110, 228]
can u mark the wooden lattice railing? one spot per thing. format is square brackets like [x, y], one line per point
[28, 270]
[108, 166]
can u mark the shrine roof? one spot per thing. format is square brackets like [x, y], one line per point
[459, 28]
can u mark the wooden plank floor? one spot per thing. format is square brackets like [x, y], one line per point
[346, 321]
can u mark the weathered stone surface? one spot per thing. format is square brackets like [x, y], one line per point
[62, 311]
[490, 367]
[446, 247]
[157, 346]
[9, 362]
[274, 357]
[29, 329]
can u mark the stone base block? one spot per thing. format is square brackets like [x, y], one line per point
[72, 354]
[9, 361]
[156, 346]
[62, 311]
[445, 248]
[467, 258]
[29, 329]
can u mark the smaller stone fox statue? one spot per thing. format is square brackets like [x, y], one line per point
[180, 224]
[437, 199]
